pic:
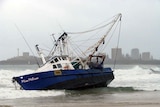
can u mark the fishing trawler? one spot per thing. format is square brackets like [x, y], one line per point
[65, 70]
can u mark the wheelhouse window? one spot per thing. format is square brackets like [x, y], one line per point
[64, 58]
[56, 59]
[59, 65]
[52, 61]
[54, 66]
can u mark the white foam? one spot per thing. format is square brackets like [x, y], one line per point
[137, 77]
[11, 93]
[8, 91]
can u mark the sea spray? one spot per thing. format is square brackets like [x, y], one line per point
[137, 77]
[8, 90]
[127, 79]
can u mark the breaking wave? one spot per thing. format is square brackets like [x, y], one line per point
[128, 79]
[8, 90]
[140, 78]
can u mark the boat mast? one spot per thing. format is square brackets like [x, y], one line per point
[63, 43]
[60, 45]
[40, 54]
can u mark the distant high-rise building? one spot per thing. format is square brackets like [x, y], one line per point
[146, 56]
[135, 53]
[127, 56]
[116, 53]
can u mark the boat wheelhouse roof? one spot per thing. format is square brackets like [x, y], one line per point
[57, 58]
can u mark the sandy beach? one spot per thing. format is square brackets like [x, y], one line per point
[134, 99]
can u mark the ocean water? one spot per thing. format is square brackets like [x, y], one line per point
[128, 79]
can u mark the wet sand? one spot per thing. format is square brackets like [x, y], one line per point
[131, 99]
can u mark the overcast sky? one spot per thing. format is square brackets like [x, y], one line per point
[38, 19]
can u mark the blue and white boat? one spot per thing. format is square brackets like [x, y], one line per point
[61, 71]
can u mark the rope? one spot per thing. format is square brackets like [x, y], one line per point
[110, 37]
[90, 29]
[117, 47]
[96, 27]
[27, 44]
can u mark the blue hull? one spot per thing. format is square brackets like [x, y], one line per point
[66, 79]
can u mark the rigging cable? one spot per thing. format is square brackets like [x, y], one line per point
[93, 29]
[90, 29]
[27, 44]
[108, 41]
[117, 45]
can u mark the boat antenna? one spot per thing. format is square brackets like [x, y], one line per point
[54, 41]
[60, 26]
[27, 44]
[53, 38]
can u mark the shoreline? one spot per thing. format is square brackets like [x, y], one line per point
[129, 99]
